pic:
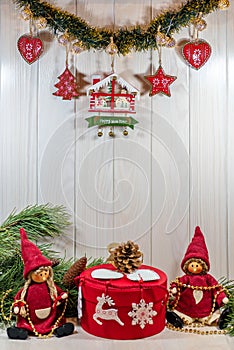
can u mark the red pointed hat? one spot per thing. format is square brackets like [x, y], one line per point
[32, 256]
[197, 249]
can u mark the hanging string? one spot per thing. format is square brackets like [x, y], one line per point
[31, 25]
[112, 49]
[67, 52]
[113, 56]
[160, 55]
[193, 33]
[112, 63]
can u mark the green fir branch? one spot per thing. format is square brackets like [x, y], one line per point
[229, 286]
[39, 220]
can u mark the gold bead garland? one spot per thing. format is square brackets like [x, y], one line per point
[42, 336]
[2, 304]
[179, 284]
[193, 330]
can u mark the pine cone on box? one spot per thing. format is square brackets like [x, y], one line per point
[75, 270]
[111, 249]
[127, 257]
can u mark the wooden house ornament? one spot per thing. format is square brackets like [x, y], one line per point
[112, 95]
[115, 96]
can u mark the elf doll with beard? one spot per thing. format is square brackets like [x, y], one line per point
[197, 296]
[40, 305]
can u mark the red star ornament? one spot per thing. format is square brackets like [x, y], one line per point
[160, 82]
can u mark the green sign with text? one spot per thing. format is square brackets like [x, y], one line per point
[111, 121]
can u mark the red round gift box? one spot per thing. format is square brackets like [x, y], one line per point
[125, 294]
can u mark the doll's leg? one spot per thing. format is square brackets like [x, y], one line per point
[186, 319]
[223, 319]
[17, 333]
[174, 319]
[209, 320]
[64, 330]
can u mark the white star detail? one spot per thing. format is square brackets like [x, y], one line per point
[142, 313]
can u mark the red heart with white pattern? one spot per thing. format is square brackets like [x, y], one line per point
[196, 53]
[30, 48]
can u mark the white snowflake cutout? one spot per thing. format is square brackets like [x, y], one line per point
[142, 313]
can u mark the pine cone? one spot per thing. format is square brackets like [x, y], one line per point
[111, 249]
[55, 262]
[127, 257]
[75, 270]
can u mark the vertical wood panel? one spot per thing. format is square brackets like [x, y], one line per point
[170, 152]
[230, 139]
[18, 110]
[56, 132]
[132, 154]
[208, 117]
[94, 155]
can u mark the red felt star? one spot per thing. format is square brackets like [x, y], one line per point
[160, 82]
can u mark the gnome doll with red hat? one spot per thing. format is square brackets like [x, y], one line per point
[197, 296]
[40, 305]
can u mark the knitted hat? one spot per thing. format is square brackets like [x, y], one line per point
[197, 249]
[32, 256]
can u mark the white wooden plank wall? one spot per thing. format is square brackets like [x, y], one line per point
[173, 172]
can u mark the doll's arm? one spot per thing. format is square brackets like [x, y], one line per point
[221, 296]
[174, 284]
[18, 304]
[61, 296]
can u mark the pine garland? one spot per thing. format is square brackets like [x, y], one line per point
[138, 38]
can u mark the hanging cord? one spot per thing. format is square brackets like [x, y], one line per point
[160, 55]
[112, 49]
[30, 26]
[67, 52]
[159, 47]
[194, 32]
[113, 63]
[113, 56]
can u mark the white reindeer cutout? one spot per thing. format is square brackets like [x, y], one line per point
[108, 314]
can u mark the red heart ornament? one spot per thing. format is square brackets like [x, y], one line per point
[30, 48]
[196, 53]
